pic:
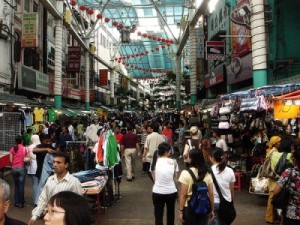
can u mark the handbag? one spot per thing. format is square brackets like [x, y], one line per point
[223, 125]
[259, 185]
[225, 110]
[281, 200]
[250, 104]
[266, 170]
[27, 159]
[226, 210]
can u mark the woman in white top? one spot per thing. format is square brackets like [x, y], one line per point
[31, 169]
[164, 190]
[225, 178]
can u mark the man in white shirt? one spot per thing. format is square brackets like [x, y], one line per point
[60, 181]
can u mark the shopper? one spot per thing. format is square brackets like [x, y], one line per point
[225, 178]
[197, 165]
[67, 208]
[271, 214]
[292, 214]
[16, 157]
[220, 143]
[164, 190]
[129, 148]
[4, 205]
[62, 180]
[192, 143]
[31, 169]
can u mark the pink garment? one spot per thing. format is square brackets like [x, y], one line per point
[18, 156]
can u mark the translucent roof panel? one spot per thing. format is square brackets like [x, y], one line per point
[159, 20]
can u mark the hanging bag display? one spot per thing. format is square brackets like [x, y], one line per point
[250, 104]
[224, 110]
[285, 111]
[224, 125]
[226, 211]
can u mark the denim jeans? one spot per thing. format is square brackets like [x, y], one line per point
[35, 184]
[216, 220]
[19, 176]
[46, 172]
[159, 202]
[88, 175]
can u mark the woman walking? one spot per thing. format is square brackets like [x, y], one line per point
[164, 188]
[16, 158]
[291, 216]
[197, 165]
[193, 143]
[225, 179]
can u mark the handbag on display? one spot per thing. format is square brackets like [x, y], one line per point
[223, 125]
[226, 210]
[225, 110]
[281, 200]
[259, 185]
[250, 104]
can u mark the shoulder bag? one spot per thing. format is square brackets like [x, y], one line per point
[226, 211]
[266, 170]
[281, 200]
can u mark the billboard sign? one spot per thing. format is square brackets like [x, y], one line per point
[215, 50]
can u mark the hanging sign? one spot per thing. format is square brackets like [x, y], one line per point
[215, 50]
[103, 79]
[29, 30]
[74, 56]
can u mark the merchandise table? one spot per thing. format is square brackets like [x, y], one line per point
[94, 188]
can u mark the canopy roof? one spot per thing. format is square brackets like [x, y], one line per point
[154, 27]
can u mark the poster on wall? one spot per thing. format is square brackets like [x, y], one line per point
[103, 79]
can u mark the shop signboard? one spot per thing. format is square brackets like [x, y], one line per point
[240, 69]
[33, 80]
[199, 43]
[215, 50]
[29, 30]
[216, 76]
[103, 77]
[74, 56]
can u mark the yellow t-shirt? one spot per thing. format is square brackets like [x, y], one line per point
[185, 178]
[38, 115]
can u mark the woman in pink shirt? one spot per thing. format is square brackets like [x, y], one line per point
[16, 158]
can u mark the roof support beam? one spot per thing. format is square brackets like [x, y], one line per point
[200, 11]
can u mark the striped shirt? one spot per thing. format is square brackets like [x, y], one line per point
[52, 187]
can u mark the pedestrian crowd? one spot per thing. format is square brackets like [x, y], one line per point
[57, 194]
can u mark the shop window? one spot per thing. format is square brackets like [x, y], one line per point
[27, 5]
[31, 58]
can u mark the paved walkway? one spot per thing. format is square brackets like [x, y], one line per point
[135, 206]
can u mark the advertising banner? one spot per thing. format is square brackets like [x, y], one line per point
[103, 77]
[33, 80]
[215, 50]
[74, 56]
[240, 69]
[29, 30]
[215, 77]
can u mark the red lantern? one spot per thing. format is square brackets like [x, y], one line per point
[142, 53]
[99, 16]
[137, 54]
[132, 56]
[169, 44]
[119, 61]
[124, 57]
[152, 50]
[106, 20]
[150, 36]
[147, 52]
[158, 39]
[72, 2]
[145, 35]
[123, 63]
[82, 7]
[163, 40]
[139, 33]
[127, 64]
[154, 38]
[171, 41]
[132, 30]
[128, 56]
[121, 26]
[157, 48]
[116, 58]
[90, 11]
[115, 23]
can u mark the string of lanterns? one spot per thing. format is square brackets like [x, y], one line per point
[121, 59]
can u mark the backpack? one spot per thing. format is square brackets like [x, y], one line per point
[199, 203]
[266, 170]
[282, 164]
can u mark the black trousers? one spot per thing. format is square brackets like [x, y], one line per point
[159, 202]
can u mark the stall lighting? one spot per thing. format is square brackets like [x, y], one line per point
[19, 104]
[2, 103]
